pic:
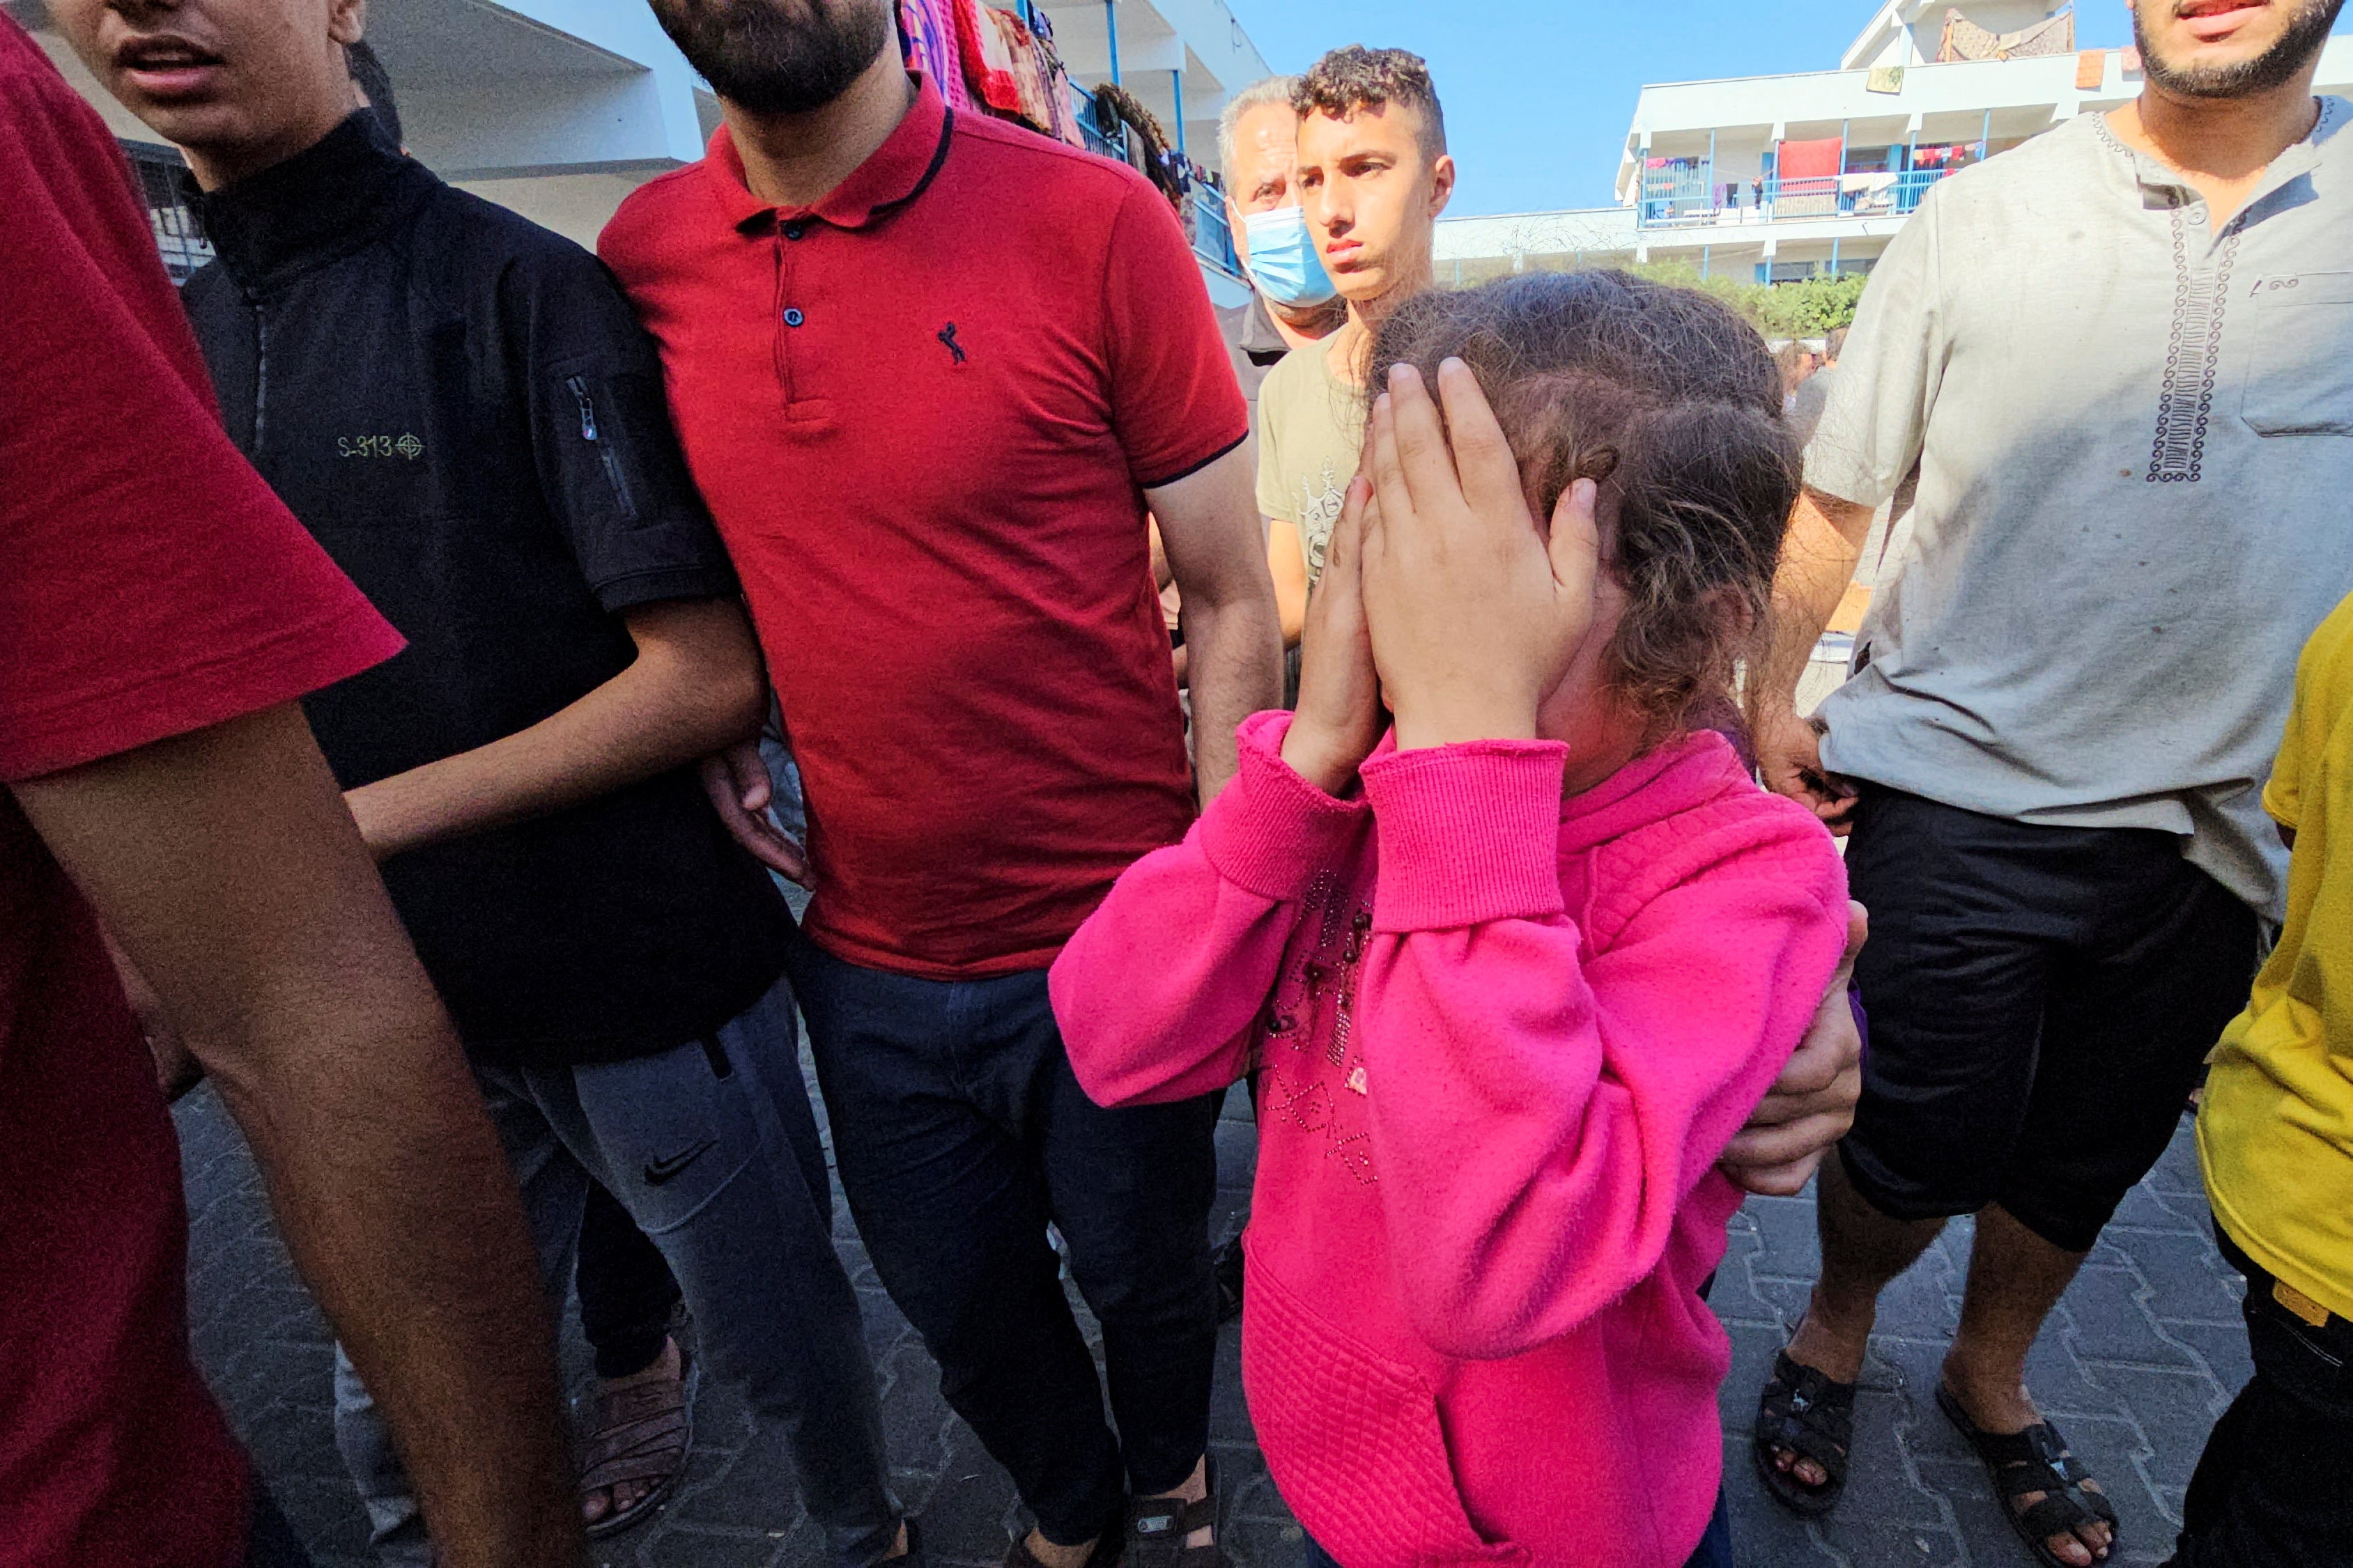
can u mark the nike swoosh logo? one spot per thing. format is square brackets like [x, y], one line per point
[660, 1170]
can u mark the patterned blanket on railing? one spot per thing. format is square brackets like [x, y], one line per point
[1965, 40]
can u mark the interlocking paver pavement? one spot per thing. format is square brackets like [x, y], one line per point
[2141, 1357]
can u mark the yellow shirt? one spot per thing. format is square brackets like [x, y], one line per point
[2275, 1133]
[1310, 430]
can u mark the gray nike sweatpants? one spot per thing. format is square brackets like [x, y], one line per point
[712, 1148]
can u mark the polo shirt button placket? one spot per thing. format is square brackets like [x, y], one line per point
[796, 230]
[787, 317]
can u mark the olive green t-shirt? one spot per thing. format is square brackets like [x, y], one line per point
[1310, 431]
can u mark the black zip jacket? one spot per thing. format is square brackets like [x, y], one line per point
[462, 408]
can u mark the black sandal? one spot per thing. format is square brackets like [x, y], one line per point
[2037, 1460]
[1111, 1546]
[1156, 1529]
[1812, 1416]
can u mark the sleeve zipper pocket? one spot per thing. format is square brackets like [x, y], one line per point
[578, 386]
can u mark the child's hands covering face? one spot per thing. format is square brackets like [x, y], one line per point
[1474, 618]
[1339, 719]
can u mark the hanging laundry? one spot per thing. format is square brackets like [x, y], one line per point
[1065, 125]
[1809, 177]
[1116, 106]
[1812, 160]
[1884, 78]
[1030, 79]
[928, 34]
[2091, 69]
[1965, 40]
[988, 64]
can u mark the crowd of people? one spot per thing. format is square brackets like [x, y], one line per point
[412, 632]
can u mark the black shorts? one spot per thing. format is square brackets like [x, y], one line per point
[2041, 999]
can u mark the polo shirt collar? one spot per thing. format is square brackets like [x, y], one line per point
[894, 174]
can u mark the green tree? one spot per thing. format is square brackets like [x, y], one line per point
[1800, 309]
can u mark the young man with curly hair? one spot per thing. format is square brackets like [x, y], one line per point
[1371, 175]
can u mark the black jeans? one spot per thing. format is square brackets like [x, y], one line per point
[627, 1291]
[2270, 1491]
[2041, 1001]
[960, 1134]
[272, 1542]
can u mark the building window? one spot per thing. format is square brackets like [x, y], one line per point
[162, 181]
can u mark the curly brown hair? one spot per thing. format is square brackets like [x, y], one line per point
[1669, 400]
[1355, 78]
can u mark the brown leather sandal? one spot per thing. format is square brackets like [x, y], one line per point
[1156, 1529]
[641, 1435]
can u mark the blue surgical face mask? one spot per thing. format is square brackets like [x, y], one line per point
[1283, 259]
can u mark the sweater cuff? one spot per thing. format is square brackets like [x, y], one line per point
[1271, 830]
[1469, 833]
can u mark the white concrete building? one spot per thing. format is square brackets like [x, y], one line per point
[561, 108]
[1780, 177]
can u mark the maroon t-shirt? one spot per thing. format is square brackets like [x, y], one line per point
[150, 584]
[924, 412]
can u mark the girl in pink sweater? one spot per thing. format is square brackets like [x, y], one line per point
[1511, 973]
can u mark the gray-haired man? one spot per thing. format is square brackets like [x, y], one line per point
[1292, 303]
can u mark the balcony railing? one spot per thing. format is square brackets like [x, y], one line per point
[1690, 198]
[1083, 106]
[1212, 233]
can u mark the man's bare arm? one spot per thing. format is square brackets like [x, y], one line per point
[226, 865]
[695, 687]
[1233, 639]
[1286, 561]
[1818, 562]
[1161, 580]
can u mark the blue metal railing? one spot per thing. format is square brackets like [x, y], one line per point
[1681, 193]
[1688, 197]
[1082, 107]
[1814, 196]
[1213, 236]
[1913, 183]
[1213, 232]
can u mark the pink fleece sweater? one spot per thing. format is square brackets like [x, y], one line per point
[1499, 1041]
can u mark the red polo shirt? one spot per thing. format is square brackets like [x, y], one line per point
[150, 586]
[924, 412]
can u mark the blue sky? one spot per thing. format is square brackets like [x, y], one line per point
[1538, 93]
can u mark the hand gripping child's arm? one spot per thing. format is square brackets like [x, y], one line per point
[1157, 992]
[1538, 1120]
